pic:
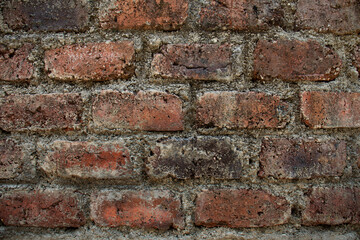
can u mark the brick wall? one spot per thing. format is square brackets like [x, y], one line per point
[179, 119]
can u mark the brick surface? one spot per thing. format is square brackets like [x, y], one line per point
[241, 110]
[253, 15]
[91, 62]
[240, 208]
[295, 60]
[41, 208]
[339, 17]
[139, 209]
[357, 58]
[11, 159]
[194, 158]
[107, 160]
[40, 112]
[330, 109]
[332, 206]
[14, 63]
[299, 158]
[195, 61]
[144, 14]
[49, 15]
[148, 111]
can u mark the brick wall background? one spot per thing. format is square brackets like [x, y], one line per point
[179, 119]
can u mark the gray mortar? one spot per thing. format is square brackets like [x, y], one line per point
[246, 141]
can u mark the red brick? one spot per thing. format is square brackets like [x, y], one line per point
[49, 15]
[138, 209]
[107, 160]
[241, 110]
[332, 206]
[195, 61]
[14, 63]
[340, 17]
[330, 109]
[195, 158]
[299, 158]
[41, 208]
[148, 111]
[295, 60]
[40, 112]
[91, 62]
[252, 15]
[11, 159]
[144, 14]
[240, 208]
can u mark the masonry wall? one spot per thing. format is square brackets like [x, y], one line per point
[179, 119]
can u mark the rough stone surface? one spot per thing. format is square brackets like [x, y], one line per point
[330, 109]
[14, 64]
[144, 14]
[299, 158]
[332, 206]
[109, 160]
[148, 111]
[141, 209]
[91, 62]
[38, 208]
[241, 110]
[11, 159]
[40, 112]
[295, 60]
[194, 158]
[339, 17]
[241, 15]
[197, 61]
[357, 58]
[240, 208]
[46, 15]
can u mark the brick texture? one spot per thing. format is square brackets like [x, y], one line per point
[241, 110]
[298, 158]
[194, 158]
[254, 15]
[240, 208]
[89, 160]
[92, 62]
[139, 209]
[295, 60]
[11, 159]
[144, 14]
[148, 111]
[37, 208]
[330, 109]
[332, 206]
[197, 61]
[50, 15]
[40, 112]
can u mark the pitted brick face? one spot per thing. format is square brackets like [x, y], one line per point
[11, 159]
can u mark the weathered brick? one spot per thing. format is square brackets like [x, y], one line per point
[357, 58]
[330, 109]
[332, 206]
[107, 160]
[11, 159]
[241, 110]
[340, 17]
[240, 208]
[295, 60]
[40, 112]
[91, 62]
[195, 61]
[194, 158]
[41, 208]
[49, 15]
[139, 209]
[14, 64]
[252, 15]
[148, 111]
[144, 14]
[299, 158]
